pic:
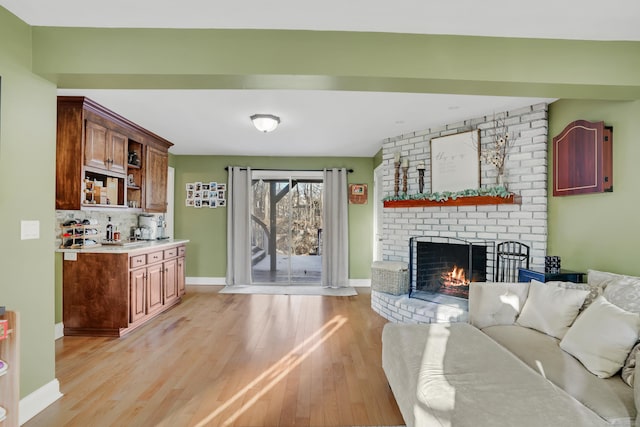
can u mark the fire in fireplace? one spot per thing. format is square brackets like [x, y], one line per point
[446, 266]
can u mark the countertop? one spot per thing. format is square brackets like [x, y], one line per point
[129, 247]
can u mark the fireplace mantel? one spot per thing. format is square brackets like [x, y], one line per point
[460, 201]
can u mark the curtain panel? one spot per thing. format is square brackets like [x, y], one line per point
[335, 241]
[239, 226]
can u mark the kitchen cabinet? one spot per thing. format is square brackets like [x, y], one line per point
[156, 180]
[105, 149]
[93, 143]
[110, 292]
[181, 276]
[10, 379]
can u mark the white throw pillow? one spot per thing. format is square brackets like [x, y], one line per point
[492, 304]
[551, 309]
[602, 337]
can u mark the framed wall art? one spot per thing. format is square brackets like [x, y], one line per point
[455, 162]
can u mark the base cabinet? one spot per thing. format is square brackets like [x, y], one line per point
[110, 294]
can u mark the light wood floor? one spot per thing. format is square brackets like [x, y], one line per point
[231, 360]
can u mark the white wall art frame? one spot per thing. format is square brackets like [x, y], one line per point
[455, 162]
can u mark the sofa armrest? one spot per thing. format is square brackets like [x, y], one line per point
[493, 304]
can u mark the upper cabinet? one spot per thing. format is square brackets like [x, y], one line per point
[583, 159]
[105, 149]
[96, 165]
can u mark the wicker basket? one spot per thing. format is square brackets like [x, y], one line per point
[390, 277]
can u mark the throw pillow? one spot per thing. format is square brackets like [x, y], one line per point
[492, 304]
[594, 291]
[551, 309]
[602, 337]
[625, 293]
[602, 278]
[629, 368]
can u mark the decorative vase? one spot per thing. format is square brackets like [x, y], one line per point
[501, 180]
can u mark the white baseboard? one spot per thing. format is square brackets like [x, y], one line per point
[32, 404]
[218, 281]
[360, 283]
[58, 331]
[206, 281]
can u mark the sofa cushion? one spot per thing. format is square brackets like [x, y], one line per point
[602, 337]
[495, 303]
[625, 293]
[594, 291]
[602, 278]
[551, 309]
[464, 378]
[610, 398]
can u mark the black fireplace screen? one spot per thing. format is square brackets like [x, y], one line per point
[446, 266]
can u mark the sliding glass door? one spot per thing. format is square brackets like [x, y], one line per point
[286, 227]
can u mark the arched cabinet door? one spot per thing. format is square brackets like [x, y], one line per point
[583, 159]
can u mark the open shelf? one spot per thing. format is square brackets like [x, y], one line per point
[460, 201]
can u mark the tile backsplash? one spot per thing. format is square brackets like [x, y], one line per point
[123, 221]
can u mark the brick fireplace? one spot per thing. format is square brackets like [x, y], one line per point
[525, 175]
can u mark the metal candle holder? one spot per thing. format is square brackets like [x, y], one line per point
[396, 187]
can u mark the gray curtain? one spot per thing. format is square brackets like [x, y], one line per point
[335, 230]
[239, 226]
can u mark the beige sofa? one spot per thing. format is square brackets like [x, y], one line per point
[522, 360]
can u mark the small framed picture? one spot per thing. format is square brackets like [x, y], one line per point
[190, 194]
[222, 187]
[198, 186]
[205, 186]
[222, 202]
[189, 202]
[213, 194]
[221, 194]
[197, 203]
[205, 203]
[198, 194]
[213, 186]
[205, 194]
[213, 203]
[190, 186]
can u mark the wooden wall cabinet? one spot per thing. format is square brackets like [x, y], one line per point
[111, 294]
[105, 149]
[583, 159]
[94, 142]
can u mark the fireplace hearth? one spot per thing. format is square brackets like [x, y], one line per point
[441, 267]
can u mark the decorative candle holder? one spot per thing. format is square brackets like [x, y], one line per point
[396, 187]
[405, 169]
[420, 168]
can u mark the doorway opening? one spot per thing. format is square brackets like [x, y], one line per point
[286, 227]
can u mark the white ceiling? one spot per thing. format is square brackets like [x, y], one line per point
[321, 123]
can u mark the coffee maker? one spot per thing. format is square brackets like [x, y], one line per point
[148, 226]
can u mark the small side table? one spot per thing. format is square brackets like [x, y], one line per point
[526, 275]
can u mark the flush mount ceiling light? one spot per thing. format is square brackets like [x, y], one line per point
[265, 122]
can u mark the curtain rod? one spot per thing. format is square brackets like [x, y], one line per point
[289, 170]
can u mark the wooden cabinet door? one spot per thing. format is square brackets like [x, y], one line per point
[117, 152]
[95, 147]
[181, 277]
[170, 281]
[137, 293]
[157, 164]
[155, 300]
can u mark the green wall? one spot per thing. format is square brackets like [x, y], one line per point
[27, 190]
[206, 228]
[599, 231]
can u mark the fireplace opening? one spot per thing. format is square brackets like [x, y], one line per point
[445, 266]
